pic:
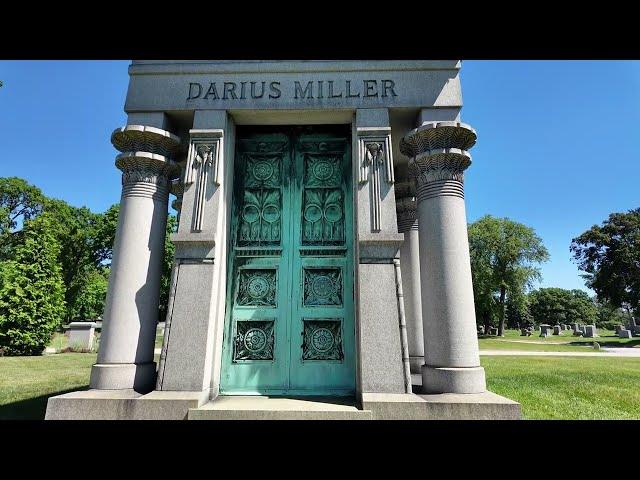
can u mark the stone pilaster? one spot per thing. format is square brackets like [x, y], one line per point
[406, 209]
[196, 305]
[125, 356]
[380, 367]
[438, 152]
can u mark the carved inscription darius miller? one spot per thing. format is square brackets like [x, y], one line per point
[313, 89]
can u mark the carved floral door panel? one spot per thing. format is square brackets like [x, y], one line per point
[289, 326]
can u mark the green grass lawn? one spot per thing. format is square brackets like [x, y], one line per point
[565, 388]
[555, 343]
[547, 387]
[27, 382]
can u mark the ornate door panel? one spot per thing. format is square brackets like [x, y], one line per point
[289, 326]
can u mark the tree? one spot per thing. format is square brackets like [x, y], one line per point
[19, 202]
[558, 305]
[31, 291]
[609, 256]
[504, 258]
[88, 303]
[517, 310]
[167, 265]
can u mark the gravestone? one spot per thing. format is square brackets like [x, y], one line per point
[82, 335]
[480, 330]
[525, 332]
[625, 333]
[578, 333]
[557, 330]
[590, 331]
[545, 330]
[619, 328]
[493, 331]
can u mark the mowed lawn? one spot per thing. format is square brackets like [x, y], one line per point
[576, 388]
[555, 343]
[27, 382]
[547, 387]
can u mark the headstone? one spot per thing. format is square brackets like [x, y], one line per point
[575, 327]
[619, 328]
[525, 332]
[577, 333]
[545, 330]
[625, 333]
[82, 335]
[493, 331]
[590, 331]
[557, 329]
[481, 330]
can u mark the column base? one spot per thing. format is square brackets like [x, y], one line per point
[122, 376]
[453, 379]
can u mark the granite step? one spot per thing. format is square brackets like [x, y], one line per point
[279, 408]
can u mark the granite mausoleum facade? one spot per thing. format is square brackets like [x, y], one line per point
[322, 262]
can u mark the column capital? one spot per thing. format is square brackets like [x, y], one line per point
[146, 156]
[406, 208]
[438, 157]
[438, 135]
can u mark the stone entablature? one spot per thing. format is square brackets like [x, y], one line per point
[221, 85]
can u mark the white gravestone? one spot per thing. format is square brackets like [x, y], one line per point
[545, 330]
[82, 335]
[557, 330]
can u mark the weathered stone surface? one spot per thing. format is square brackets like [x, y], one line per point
[590, 331]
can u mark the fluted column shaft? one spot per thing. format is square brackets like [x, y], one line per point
[125, 356]
[451, 355]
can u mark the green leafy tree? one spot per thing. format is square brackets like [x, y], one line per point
[558, 305]
[167, 265]
[609, 256]
[504, 259]
[88, 303]
[31, 291]
[19, 202]
[517, 313]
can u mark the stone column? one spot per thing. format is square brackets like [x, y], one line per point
[438, 152]
[410, 266]
[125, 356]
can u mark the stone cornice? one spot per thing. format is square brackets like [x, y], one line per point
[134, 138]
[437, 135]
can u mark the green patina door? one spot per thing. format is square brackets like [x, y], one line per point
[289, 325]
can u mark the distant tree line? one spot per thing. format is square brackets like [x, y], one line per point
[505, 260]
[54, 265]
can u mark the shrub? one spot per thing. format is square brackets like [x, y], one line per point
[31, 291]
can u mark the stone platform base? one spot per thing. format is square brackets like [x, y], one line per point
[157, 405]
[123, 405]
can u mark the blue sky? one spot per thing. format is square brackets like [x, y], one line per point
[557, 140]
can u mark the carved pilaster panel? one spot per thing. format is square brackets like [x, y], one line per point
[375, 160]
[202, 169]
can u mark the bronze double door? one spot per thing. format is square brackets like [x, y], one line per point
[289, 327]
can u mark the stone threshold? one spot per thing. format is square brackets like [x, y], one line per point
[279, 408]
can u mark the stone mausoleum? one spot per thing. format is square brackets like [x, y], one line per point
[322, 262]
